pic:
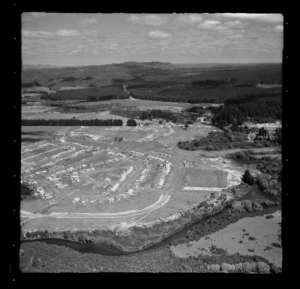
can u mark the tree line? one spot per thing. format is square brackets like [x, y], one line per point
[156, 113]
[173, 98]
[237, 113]
[71, 122]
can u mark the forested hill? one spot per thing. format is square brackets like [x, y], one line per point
[163, 81]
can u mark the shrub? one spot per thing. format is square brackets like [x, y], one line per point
[248, 178]
[131, 122]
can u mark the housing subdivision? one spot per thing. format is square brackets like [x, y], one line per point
[107, 177]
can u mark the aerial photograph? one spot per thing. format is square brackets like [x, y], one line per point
[151, 143]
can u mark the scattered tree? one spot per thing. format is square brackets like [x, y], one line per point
[248, 178]
[278, 135]
[263, 132]
[131, 122]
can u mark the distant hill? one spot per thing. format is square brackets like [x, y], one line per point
[38, 66]
[88, 76]
[162, 80]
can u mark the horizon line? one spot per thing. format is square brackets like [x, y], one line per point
[177, 63]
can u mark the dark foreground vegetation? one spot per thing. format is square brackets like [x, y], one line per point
[270, 180]
[26, 191]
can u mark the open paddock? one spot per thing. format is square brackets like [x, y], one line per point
[205, 178]
[252, 236]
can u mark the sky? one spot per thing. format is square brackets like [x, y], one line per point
[76, 39]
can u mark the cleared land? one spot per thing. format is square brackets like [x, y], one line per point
[84, 178]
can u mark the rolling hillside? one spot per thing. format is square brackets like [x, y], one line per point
[164, 81]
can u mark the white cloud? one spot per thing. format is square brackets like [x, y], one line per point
[235, 24]
[90, 32]
[278, 28]
[237, 36]
[31, 16]
[190, 18]
[253, 16]
[75, 51]
[158, 34]
[212, 22]
[88, 21]
[211, 25]
[153, 20]
[67, 33]
[37, 34]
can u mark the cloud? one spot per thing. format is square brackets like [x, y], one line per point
[67, 33]
[37, 34]
[212, 25]
[38, 14]
[237, 36]
[235, 24]
[252, 16]
[152, 20]
[190, 18]
[158, 34]
[31, 16]
[278, 28]
[88, 21]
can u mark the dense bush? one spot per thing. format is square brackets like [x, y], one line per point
[71, 122]
[278, 135]
[69, 79]
[26, 191]
[209, 83]
[156, 113]
[88, 78]
[89, 94]
[235, 112]
[30, 84]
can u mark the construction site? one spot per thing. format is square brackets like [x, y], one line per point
[88, 178]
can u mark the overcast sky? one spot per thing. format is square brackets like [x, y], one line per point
[95, 39]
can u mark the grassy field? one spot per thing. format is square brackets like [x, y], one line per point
[248, 236]
[206, 178]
